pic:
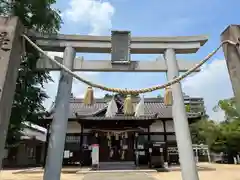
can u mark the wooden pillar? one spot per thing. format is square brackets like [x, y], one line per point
[209, 156]
[136, 149]
[166, 143]
[149, 141]
[232, 56]
[11, 50]
[46, 144]
[81, 144]
[197, 152]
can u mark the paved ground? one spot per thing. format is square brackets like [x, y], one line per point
[118, 176]
[8, 175]
[222, 172]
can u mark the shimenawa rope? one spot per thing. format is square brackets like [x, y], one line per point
[125, 91]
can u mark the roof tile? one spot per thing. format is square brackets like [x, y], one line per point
[153, 106]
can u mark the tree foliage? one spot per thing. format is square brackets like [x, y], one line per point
[29, 94]
[229, 108]
[219, 136]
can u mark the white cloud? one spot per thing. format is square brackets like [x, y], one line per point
[213, 84]
[78, 88]
[93, 13]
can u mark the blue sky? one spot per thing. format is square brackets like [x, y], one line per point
[154, 18]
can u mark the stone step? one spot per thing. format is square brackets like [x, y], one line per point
[117, 165]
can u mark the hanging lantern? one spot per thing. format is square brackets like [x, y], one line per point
[123, 155]
[112, 109]
[139, 111]
[89, 97]
[108, 135]
[111, 153]
[109, 143]
[168, 100]
[128, 106]
[117, 136]
[126, 135]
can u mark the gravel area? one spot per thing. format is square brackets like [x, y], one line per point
[221, 172]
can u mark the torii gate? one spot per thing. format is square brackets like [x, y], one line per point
[11, 48]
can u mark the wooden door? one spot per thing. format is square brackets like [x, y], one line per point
[103, 148]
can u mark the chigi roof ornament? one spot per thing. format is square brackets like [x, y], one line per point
[112, 108]
[139, 111]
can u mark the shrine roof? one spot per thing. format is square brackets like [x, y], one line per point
[154, 108]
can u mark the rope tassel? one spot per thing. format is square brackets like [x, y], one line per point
[89, 97]
[128, 106]
[168, 100]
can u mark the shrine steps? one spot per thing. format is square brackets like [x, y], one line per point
[118, 165]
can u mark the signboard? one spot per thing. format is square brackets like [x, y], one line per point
[95, 154]
[66, 154]
[120, 46]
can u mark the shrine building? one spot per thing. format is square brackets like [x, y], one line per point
[120, 137]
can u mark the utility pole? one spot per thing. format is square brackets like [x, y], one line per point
[11, 50]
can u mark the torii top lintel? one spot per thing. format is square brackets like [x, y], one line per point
[102, 44]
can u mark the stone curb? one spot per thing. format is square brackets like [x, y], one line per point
[116, 171]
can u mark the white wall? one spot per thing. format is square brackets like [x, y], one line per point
[169, 126]
[28, 132]
[73, 127]
[157, 127]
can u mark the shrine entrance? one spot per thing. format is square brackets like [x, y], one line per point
[117, 138]
[116, 147]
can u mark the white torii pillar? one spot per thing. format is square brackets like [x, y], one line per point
[60, 120]
[184, 142]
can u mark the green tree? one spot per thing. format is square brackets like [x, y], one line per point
[229, 108]
[29, 95]
[230, 127]
[231, 133]
[204, 131]
[187, 108]
[220, 136]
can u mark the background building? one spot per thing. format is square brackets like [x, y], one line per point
[194, 104]
[29, 151]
